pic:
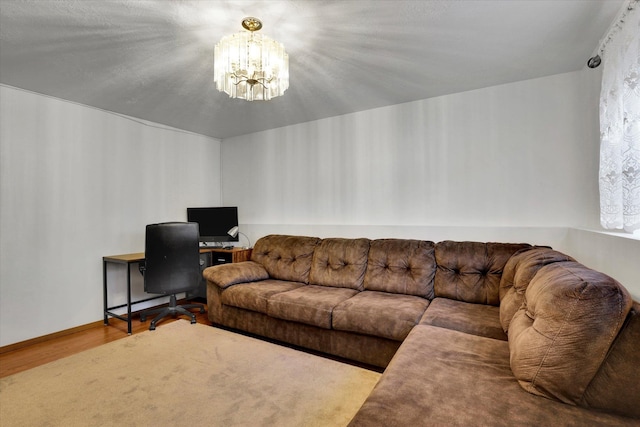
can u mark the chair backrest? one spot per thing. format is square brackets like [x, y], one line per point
[172, 257]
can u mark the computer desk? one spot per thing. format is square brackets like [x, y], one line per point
[228, 255]
[126, 259]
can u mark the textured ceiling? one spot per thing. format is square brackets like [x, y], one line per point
[153, 59]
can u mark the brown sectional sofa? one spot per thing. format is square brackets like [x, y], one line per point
[470, 333]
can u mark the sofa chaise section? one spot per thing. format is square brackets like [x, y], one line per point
[571, 358]
[445, 377]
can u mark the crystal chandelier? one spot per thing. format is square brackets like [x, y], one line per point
[251, 66]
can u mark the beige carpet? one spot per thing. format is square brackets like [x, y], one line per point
[183, 374]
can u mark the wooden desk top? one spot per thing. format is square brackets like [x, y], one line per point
[139, 256]
[125, 258]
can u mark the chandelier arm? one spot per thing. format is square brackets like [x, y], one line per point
[260, 80]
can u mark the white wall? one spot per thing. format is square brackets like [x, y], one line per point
[516, 162]
[77, 184]
[618, 256]
[521, 154]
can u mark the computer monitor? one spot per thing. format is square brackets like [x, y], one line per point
[214, 223]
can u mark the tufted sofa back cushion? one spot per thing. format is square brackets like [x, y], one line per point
[471, 271]
[517, 275]
[560, 336]
[340, 263]
[401, 266]
[285, 257]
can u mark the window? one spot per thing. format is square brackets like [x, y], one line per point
[620, 125]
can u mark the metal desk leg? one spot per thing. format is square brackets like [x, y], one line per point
[104, 290]
[129, 298]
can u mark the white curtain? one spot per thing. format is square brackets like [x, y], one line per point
[620, 126]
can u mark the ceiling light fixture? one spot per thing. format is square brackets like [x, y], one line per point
[251, 66]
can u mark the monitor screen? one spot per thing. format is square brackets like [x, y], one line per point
[214, 223]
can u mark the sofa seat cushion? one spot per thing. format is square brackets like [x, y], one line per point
[442, 377]
[477, 319]
[561, 335]
[253, 296]
[340, 263]
[517, 275]
[401, 266]
[225, 275]
[308, 304]
[380, 314]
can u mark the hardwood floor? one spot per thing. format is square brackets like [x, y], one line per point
[57, 347]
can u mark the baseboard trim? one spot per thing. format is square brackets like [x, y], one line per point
[37, 340]
[43, 338]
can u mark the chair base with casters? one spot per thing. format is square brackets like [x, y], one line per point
[173, 309]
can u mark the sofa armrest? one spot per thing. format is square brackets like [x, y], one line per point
[225, 275]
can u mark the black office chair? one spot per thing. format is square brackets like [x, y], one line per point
[172, 266]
